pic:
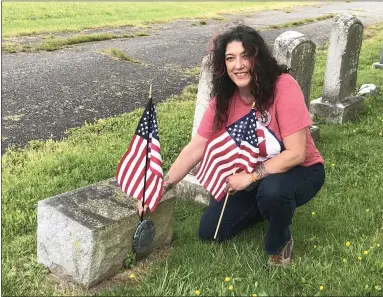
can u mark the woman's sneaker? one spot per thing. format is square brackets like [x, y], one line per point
[283, 257]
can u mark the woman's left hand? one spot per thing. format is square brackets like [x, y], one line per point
[238, 182]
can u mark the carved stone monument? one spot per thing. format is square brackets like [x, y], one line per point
[297, 52]
[84, 235]
[338, 102]
[203, 94]
[379, 65]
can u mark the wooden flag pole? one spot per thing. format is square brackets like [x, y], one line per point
[220, 218]
[147, 150]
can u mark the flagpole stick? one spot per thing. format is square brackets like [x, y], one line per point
[147, 150]
[220, 218]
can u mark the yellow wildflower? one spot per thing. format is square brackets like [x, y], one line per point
[321, 288]
[378, 244]
[360, 258]
[332, 165]
[131, 275]
[227, 279]
[365, 252]
[197, 292]
[313, 213]
[348, 243]
[254, 295]
[230, 288]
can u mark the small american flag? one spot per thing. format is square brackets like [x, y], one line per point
[233, 149]
[131, 169]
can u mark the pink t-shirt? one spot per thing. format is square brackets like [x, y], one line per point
[287, 115]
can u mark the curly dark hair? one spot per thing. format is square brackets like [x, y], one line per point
[264, 74]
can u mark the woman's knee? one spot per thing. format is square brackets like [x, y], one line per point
[272, 193]
[205, 231]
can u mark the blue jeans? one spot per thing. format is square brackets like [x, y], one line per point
[273, 199]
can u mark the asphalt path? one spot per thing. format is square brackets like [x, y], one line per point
[45, 93]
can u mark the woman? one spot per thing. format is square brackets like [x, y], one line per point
[245, 74]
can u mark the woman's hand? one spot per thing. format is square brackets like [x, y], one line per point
[140, 208]
[167, 185]
[238, 182]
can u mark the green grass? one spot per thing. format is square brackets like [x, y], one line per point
[56, 43]
[119, 55]
[348, 208]
[27, 18]
[301, 22]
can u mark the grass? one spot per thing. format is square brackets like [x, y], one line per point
[119, 55]
[348, 208]
[56, 43]
[301, 22]
[26, 18]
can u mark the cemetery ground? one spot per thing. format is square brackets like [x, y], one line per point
[338, 235]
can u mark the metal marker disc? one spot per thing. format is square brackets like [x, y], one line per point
[143, 236]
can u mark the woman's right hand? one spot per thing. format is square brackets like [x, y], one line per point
[165, 188]
[141, 209]
[188, 158]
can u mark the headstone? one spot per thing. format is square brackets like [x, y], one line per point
[379, 65]
[84, 235]
[368, 89]
[203, 94]
[203, 99]
[338, 102]
[297, 52]
[190, 188]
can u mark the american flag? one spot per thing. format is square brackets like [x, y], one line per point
[233, 149]
[131, 169]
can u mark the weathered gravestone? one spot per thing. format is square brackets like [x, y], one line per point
[84, 235]
[190, 184]
[338, 102]
[379, 65]
[297, 52]
[203, 94]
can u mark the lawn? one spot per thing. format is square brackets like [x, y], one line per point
[338, 235]
[26, 18]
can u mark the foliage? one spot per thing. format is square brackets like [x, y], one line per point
[26, 18]
[338, 235]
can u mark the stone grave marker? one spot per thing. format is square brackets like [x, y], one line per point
[338, 102]
[379, 65]
[84, 235]
[297, 52]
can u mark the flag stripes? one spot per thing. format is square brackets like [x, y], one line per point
[142, 155]
[232, 150]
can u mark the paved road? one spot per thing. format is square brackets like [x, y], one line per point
[45, 93]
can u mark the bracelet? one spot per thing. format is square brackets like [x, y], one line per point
[252, 177]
